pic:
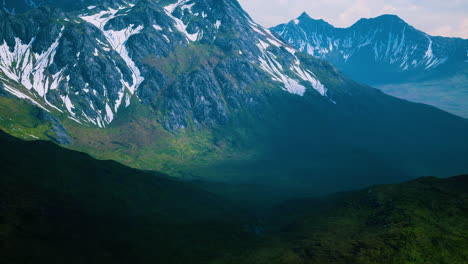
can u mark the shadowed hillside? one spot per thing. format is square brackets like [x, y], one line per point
[62, 206]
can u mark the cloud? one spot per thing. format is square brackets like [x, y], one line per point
[446, 30]
[446, 18]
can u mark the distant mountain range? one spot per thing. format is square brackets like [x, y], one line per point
[197, 89]
[387, 51]
[379, 50]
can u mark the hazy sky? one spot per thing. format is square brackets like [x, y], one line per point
[436, 17]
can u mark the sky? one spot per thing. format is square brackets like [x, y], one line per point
[439, 18]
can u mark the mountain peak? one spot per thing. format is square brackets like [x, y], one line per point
[304, 15]
[385, 18]
[389, 18]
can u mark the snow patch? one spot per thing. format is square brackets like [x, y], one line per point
[68, 104]
[118, 40]
[179, 24]
[22, 96]
[24, 66]
[109, 113]
[429, 55]
[269, 63]
[307, 76]
[218, 24]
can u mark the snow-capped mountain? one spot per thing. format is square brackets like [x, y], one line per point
[196, 88]
[380, 50]
[92, 62]
[19, 6]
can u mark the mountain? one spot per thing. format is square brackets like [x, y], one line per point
[20, 6]
[196, 89]
[83, 210]
[90, 66]
[379, 50]
[386, 51]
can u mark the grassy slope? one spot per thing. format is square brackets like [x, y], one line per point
[305, 146]
[19, 118]
[422, 221]
[136, 138]
[61, 206]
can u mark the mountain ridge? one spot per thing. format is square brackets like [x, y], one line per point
[413, 52]
[388, 53]
[386, 16]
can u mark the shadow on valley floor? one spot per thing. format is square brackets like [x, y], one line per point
[62, 206]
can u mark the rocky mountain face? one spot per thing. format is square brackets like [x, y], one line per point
[380, 50]
[19, 6]
[196, 88]
[91, 63]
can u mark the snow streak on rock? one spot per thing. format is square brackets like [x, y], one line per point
[118, 40]
[21, 65]
[269, 62]
[179, 24]
[401, 46]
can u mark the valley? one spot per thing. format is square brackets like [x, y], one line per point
[182, 131]
[82, 210]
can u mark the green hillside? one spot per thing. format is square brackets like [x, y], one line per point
[62, 206]
[422, 221]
